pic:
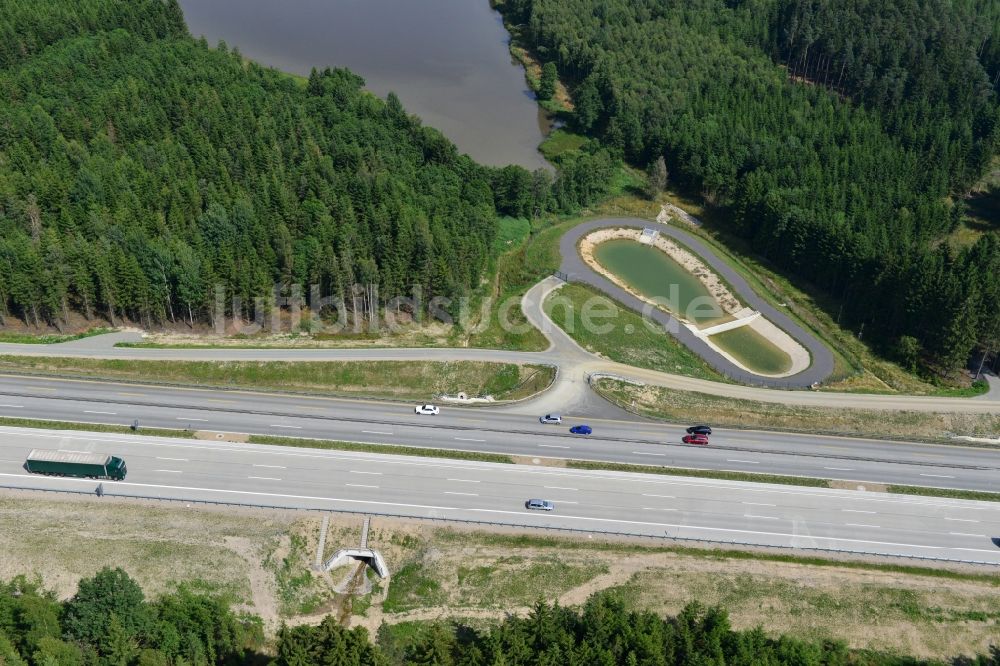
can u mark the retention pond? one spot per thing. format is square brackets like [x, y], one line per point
[656, 276]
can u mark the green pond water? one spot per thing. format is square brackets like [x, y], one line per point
[652, 273]
[753, 350]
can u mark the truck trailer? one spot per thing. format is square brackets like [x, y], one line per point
[75, 463]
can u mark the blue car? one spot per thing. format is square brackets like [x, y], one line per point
[581, 430]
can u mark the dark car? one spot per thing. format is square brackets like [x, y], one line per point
[581, 430]
[695, 439]
[699, 430]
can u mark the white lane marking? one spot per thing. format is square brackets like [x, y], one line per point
[562, 501]
[13, 406]
[345, 500]
[747, 462]
[861, 525]
[856, 511]
[181, 418]
[644, 453]
[900, 500]
[264, 478]
[278, 425]
[841, 469]
[962, 520]
[467, 439]
[169, 471]
[94, 411]
[759, 504]
[376, 432]
[553, 446]
[559, 488]
[358, 471]
[656, 508]
[464, 480]
[359, 485]
[664, 496]
[177, 459]
[750, 515]
[450, 492]
[939, 476]
[272, 466]
[982, 536]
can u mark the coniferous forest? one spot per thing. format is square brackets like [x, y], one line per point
[140, 168]
[837, 136]
[110, 622]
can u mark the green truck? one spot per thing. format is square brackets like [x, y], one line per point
[75, 463]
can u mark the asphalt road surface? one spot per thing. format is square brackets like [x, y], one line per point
[497, 430]
[595, 501]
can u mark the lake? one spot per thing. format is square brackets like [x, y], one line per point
[447, 60]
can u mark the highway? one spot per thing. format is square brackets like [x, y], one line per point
[678, 507]
[512, 430]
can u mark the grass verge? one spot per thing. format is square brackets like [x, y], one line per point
[409, 380]
[12, 422]
[48, 339]
[535, 541]
[690, 406]
[628, 338]
[388, 449]
[978, 495]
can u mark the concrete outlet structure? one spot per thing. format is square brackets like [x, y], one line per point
[364, 554]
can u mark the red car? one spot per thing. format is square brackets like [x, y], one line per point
[695, 439]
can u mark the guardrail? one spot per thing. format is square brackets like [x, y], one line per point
[666, 537]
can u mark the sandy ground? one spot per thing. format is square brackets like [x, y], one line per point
[719, 291]
[263, 559]
[407, 335]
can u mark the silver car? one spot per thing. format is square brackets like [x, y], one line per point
[539, 505]
[550, 418]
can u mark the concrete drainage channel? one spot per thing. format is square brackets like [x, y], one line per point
[343, 556]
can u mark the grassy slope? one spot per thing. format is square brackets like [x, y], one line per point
[410, 380]
[263, 557]
[46, 338]
[629, 340]
[688, 406]
[858, 368]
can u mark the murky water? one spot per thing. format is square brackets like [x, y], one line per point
[446, 59]
[655, 275]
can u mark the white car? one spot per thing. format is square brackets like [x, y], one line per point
[431, 410]
[550, 418]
